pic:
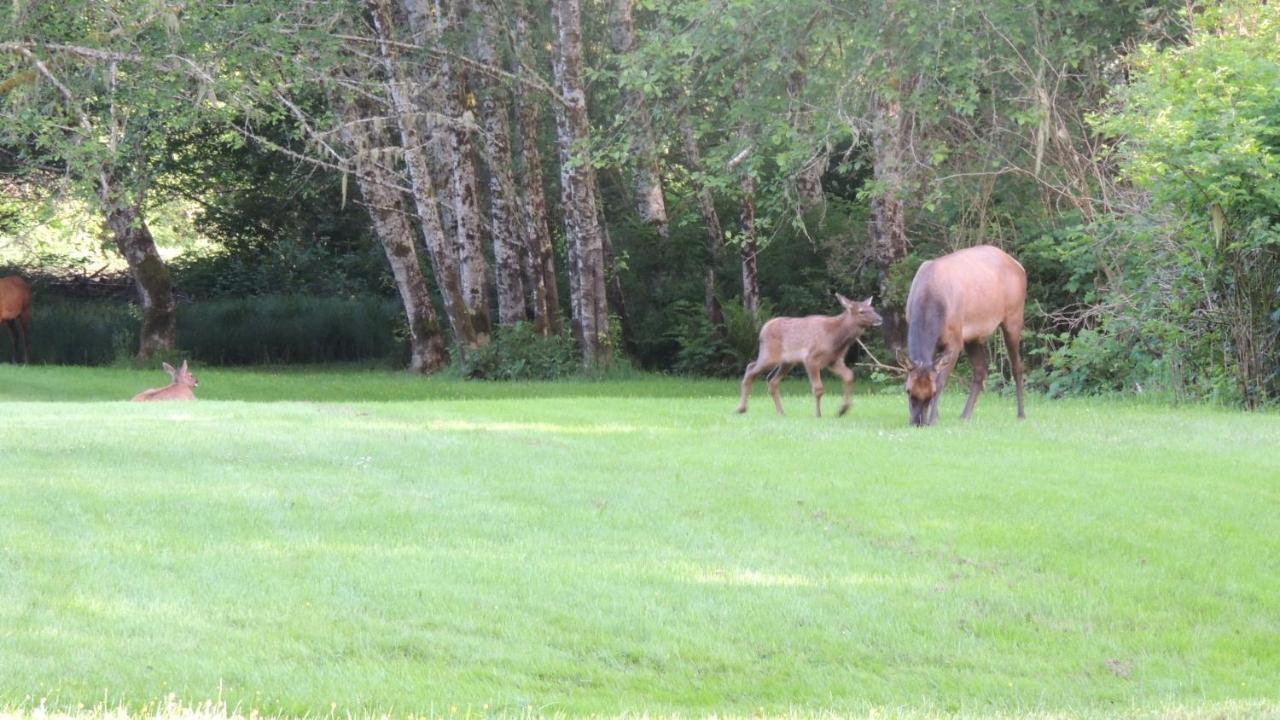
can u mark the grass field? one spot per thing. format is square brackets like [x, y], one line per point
[355, 542]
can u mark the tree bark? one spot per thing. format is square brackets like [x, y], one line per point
[889, 226]
[807, 179]
[395, 233]
[647, 178]
[582, 229]
[710, 220]
[150, 275]
[459, 155]
[443, 260]
[749, 249]
[507, 235]
[540, 279]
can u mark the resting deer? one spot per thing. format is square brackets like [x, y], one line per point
[179, 389]
[818, 341]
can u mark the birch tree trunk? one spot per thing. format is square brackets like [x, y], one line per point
[443, 261]
[889, 225]
[456, 142]
[647, 178]
[540, 278]
[710, 220]
[395, 233]
[807, 180]
[128, 227]
[582, 230]
[749, 249]
[506, 233]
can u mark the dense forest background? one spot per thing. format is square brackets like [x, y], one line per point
[521, 188]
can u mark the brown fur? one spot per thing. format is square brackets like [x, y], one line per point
[180, 389]
[15, 311]
[956, 302]
[817, 341]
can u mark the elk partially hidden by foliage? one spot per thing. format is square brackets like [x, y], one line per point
[15, 311]
[957, 301]
[817, 341]
[180, 389]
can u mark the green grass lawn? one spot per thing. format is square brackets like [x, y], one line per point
[309, 542]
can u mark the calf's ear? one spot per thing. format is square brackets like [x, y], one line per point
[867, 302]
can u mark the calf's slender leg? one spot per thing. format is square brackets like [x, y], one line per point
[775, 380]
[815, 382]
[846, 376]
[753, 371]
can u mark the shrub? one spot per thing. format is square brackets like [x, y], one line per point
[520, 353]
[703, 348]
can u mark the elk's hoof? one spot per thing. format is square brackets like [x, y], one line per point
[843, 410]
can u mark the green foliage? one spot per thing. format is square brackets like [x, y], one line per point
[283, 267]
[708, 350]
[1200, 125]
[518, 352]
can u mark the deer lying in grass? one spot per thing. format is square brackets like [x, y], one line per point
[818, 341]
[179, 389]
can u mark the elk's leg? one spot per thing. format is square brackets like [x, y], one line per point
[945, 366]
[815, 382]
[24, 321]
[1012, 338]
[846, 376]
[977, 352]
[753, 371]
[12, 324]
[774, 381]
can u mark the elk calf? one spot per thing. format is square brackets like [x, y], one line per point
[818, 341]
[179, 389]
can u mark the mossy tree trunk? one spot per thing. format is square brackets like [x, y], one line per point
[133, 238]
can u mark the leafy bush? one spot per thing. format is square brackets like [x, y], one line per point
[704, 349]
[520, 353]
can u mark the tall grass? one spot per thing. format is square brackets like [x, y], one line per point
[293, 329]
[81, 333]
[290, 329]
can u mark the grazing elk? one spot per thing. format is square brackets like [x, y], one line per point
[818, 341]
[957, 301]
[180, 389]
[15, 311]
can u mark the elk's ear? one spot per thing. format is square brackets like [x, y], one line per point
[843, 300]
[867, 302]
[184, 366]
[168, 368]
